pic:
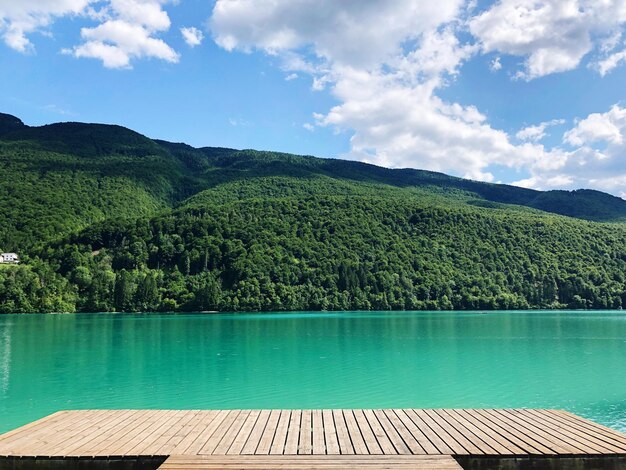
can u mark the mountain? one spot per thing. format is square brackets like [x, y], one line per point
[108, 219]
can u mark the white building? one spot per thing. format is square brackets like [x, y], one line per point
[9, 258]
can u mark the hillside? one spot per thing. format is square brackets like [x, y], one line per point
[107, 219]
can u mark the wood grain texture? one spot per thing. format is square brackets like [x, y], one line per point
[309, 434]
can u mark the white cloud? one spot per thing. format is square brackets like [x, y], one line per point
[386, 82]
[128, 29]
[553, 35]
[398, 125]
[19, 18]
[537, 132]
[358, 33]
[291, 76]
[128, 32]
[598, 161]
[607, 64]
[239, 122]
[606, 127]
[308, 126]
[495, 64]
[193, 36]
[116, 42]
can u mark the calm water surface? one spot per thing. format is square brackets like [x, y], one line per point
[570, 360]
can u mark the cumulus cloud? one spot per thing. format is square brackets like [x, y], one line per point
[128, 32]
[597, 160]
[537, 132]
[495, 64]
[386, 76]
[358, 33]
[553, 35]
[192, 36]
[127, 29]
[610, 62]
[398, 125]
[606, 127]
[20, 18]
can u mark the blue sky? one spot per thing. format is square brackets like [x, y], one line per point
[514, 91]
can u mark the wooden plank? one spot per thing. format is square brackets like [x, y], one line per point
[138, 435]
[16, 441]
[444, 442]
[193, 442]
[114, 443]
[258, 462]
[265, 443]
[257, 431]
[432, 436]
[115, 437]
[87, 424]
[309, 433]
[244, 433]
[476, 435]
[280, 438]
[487, 432]
[330, 433]
[317, 427]
[566, 434]
[152, 435]
[536, 424]
[39, 442]
[343, 436]
[557, 445]
[592, 428]
[228, 437]
[411, 445]
[185, 417]
[416, 432]
[384, 442]
[305, 444]
[169, 429]
[524, 433]
[399, 446]
[368, 434]
[468, 444]
[213, 441]
[602, 446]
[358, 443]
[39, 425]
[529, 445]
[187, 428]
[501, 435]
[293, 433]
[95, 440]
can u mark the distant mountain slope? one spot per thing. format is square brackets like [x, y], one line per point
[227, 165]
[107, 219]
[62, 177]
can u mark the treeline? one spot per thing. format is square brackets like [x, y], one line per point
[329, 253]
[106, 219]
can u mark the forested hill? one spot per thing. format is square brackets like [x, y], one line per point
[107, 219]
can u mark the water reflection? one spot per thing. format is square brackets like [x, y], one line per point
[309, 360]
[5, 355]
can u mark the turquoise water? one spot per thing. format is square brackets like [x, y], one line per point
[570, 360]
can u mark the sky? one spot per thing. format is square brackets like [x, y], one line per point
[524, 92]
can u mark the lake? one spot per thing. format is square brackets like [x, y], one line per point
[570, 360]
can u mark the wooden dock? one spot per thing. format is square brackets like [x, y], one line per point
[398, 438]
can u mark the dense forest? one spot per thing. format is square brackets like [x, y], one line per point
[105, 219]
